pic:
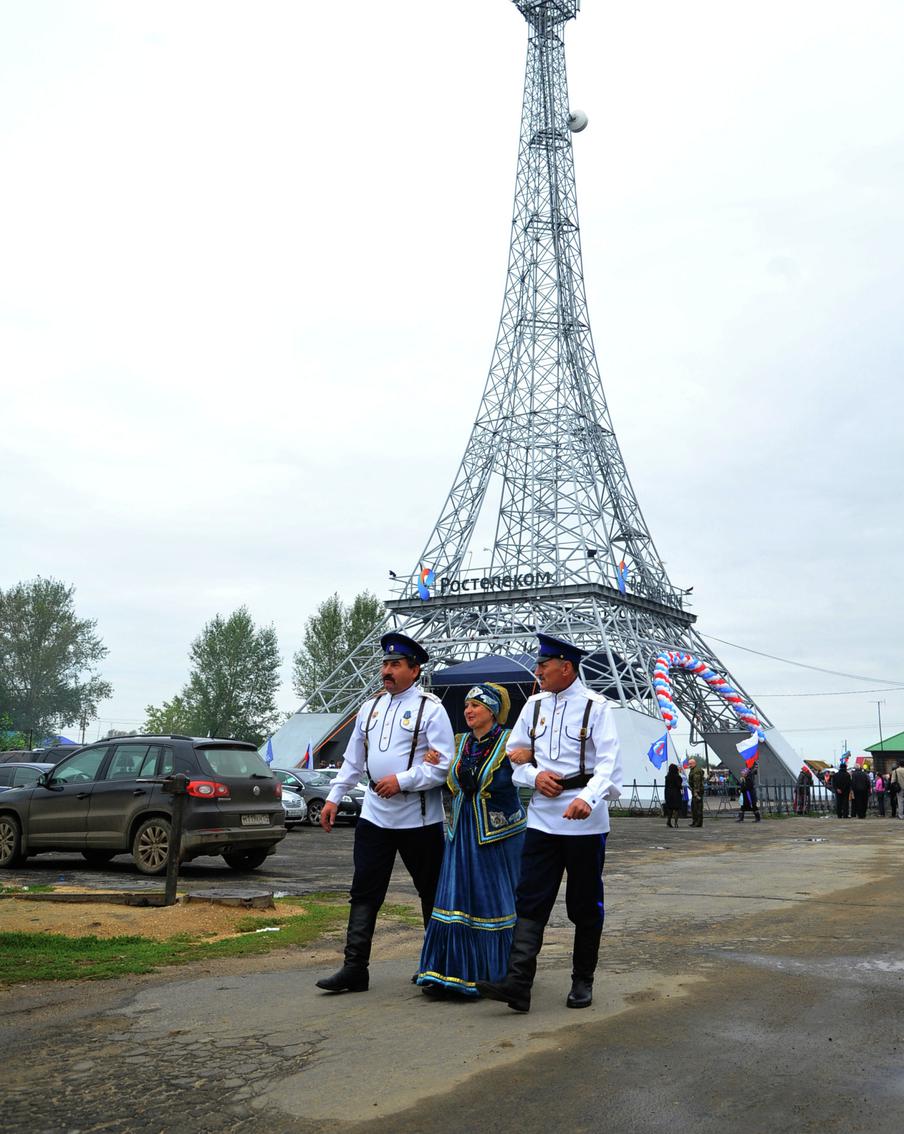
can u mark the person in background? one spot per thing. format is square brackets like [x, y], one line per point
[879, 790]
[860, 787]
[696, 781]
[841, 786]
[470, 930]
[673, 799]
[897, 779]
[804, 785]
[748, 795]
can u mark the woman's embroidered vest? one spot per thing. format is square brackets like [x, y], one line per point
[497, 808]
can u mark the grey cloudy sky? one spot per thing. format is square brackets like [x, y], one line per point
[250, 253]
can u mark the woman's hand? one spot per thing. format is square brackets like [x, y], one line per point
[431, 756]
[519, 756]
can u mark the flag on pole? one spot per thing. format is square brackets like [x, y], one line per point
[659, 751]
[622, 576]
[308, 759]
[749, 749]
[268, 755]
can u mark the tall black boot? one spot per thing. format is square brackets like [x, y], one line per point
[756, 817]
[514, 988]
[353, 976]
[740, 816]
[583, 965]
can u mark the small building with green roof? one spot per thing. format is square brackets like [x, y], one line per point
[887, 754]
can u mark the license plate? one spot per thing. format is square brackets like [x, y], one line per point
[255, 820]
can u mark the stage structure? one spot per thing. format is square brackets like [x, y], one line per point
[572, 553]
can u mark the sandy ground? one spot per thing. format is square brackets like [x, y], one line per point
[101, 919]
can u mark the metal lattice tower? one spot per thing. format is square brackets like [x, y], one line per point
[543, 447]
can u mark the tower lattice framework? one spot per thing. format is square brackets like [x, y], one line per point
[543, 447]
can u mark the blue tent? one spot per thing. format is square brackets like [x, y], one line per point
[518, 670]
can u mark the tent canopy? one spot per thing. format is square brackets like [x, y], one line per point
[518, 670]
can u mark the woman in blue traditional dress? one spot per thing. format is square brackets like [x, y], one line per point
[470, 930]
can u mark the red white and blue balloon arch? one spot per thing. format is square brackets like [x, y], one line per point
[662, 683]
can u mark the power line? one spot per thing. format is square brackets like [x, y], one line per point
[803, 665]
[836, 693]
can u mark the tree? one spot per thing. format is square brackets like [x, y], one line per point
[47, 658]
[231, 690]
[10, 740]
[330, 636]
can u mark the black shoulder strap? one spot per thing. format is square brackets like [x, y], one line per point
[417, 729]
[587, 710]
[533, 734]
[367, 727]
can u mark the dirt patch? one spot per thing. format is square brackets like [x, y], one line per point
[100, 919]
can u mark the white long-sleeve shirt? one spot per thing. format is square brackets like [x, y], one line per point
[558, 749]
[390, 724]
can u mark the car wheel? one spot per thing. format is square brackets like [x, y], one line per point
[150, 846]
[245, 860]
[315, 806]
[98, 857]
[10, 842]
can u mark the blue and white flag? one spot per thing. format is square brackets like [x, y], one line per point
[749, 749]
[268, 755]
[659, 751]
[622, 576]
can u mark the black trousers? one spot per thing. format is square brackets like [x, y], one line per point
[842, 805]
[544, 860]
[421, 849]
[861, 802]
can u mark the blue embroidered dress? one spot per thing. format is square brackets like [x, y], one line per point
[470, 930]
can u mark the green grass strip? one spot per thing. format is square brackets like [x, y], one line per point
[54, 956]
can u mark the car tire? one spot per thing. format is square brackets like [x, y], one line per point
[150, 846]
[10, 842]
[246, 859]
[315, 806]
[98, 857]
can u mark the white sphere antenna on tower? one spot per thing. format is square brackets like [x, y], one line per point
[577, 121]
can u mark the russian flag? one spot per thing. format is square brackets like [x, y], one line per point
[308, 759]
[268, 755]
[659, 751]
[749, 749]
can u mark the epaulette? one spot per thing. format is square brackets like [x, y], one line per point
[431, 696]
[592, 695]
[539, 696]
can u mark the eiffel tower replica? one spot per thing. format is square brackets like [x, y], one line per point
[571, 554]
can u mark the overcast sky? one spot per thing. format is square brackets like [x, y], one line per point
[251, 266]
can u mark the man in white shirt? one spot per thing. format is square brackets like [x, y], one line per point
[566, 748]
[402, 809]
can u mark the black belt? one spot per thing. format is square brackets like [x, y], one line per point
[577, 780]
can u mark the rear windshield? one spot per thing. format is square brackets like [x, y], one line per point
[235, 762]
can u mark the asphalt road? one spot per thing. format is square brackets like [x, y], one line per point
[752, 979]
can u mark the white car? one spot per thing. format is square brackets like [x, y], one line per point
[294, 806]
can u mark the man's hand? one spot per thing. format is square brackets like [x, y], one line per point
[328, 816]
[577, 809]
[519, 756]
[547, 783]
[387, 787]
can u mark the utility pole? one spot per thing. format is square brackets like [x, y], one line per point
[879, 705]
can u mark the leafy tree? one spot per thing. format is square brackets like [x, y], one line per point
[10, 740]
[330, 636]
[47, 658]
[232, 686]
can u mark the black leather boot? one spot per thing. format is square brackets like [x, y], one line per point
[584, 958]
[740, 816]
[514, 988]
[756, 817]
[353, 976]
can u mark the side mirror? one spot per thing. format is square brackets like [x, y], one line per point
[43, 779]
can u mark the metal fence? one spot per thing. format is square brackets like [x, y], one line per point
[772, 799]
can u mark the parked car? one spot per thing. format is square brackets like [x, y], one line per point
[20, 774]
[107, 799]
[315, 787]
[51, 755]
[294, 806]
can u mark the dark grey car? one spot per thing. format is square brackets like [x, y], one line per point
[315, 787]
[22, 774]
[103, 801]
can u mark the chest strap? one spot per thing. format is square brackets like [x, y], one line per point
[571, 781]
[414, 740]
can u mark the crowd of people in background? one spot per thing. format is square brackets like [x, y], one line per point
[851, 791]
